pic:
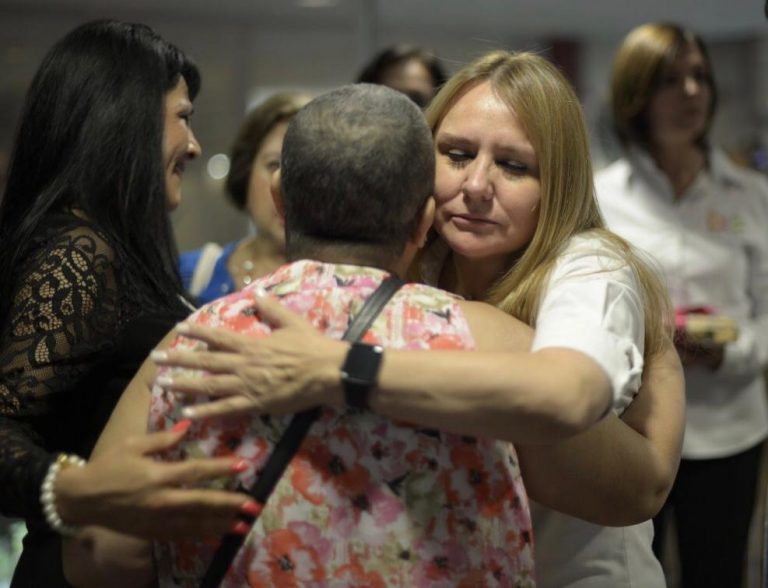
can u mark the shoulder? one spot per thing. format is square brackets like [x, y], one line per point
[71, 244]
[495, 330]
[82, 236]
[614, 175]
[235, 312]
[188, 260]
[748, 182]
[591, 275]
[592, 252]
[198, 267]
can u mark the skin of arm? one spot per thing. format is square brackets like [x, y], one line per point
[620, 471]
[616, 473]
[544, 396]
[514, 395]
[121, 487]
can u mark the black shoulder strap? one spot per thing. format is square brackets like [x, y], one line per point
[289, 443]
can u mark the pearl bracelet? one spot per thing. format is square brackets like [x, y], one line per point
[47, 497]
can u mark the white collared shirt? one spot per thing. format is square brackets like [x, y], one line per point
[712, 247]
[591, 304]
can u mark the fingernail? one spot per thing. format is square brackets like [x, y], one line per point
[252, 508]
[188, 412]
[164, 381]
[182, 328]
[158, 355]
[259, 292]
[181, 426]
[238, 466]
[240, 528]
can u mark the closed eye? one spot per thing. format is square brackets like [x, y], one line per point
[458, 157]
[513, 167]
[186, 115]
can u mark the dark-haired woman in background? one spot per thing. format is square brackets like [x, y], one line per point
[704, 219]
[88, 285]
[409, 69]
[213, 271]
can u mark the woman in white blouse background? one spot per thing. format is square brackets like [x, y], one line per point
[704, 220]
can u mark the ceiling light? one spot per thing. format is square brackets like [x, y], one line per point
[317, 3]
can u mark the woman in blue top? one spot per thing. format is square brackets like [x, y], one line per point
[213, 271]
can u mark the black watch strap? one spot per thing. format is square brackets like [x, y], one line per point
[359, 373]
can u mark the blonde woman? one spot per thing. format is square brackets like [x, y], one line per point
[515, 224]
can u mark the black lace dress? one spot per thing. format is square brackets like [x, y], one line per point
[81, 323]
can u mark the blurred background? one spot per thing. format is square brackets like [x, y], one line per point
[248, 49]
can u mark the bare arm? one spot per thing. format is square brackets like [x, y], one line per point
[502, 391]
[621, 470]
[512, 395]
[627, 465]
[125, 489]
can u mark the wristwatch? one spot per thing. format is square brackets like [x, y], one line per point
[359, 373]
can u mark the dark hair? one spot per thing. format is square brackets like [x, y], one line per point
[637, 71]
[254, 129]
[373, 73]
[90, 138]
[357, 167]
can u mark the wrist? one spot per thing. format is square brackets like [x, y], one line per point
[327, 373]
[360, 374]
[58, 493]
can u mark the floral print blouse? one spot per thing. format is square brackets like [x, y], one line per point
[366, 501]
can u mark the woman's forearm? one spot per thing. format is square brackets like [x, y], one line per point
[100, 557]
[521, 397]
[513, 395]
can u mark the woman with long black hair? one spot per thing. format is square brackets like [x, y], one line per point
[88, 285]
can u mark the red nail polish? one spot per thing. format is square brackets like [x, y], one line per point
[181, 426]
[238, 466]
[252, 508]
[240, 528]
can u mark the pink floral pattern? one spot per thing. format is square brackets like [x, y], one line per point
[366, 501]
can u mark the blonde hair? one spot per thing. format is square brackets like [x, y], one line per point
[549, 111]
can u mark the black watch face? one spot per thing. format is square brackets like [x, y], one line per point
[362, 363]
[359, 373]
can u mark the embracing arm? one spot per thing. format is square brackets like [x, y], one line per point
[508, 393]
[625, 464]
[621, 470]
[124, 488]
[511, 395]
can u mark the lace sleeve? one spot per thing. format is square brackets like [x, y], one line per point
[62, 320]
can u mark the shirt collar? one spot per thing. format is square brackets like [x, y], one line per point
[721, 169]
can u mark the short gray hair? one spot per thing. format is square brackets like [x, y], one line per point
[357, 166]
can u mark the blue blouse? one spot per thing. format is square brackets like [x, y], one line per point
[221, 282]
